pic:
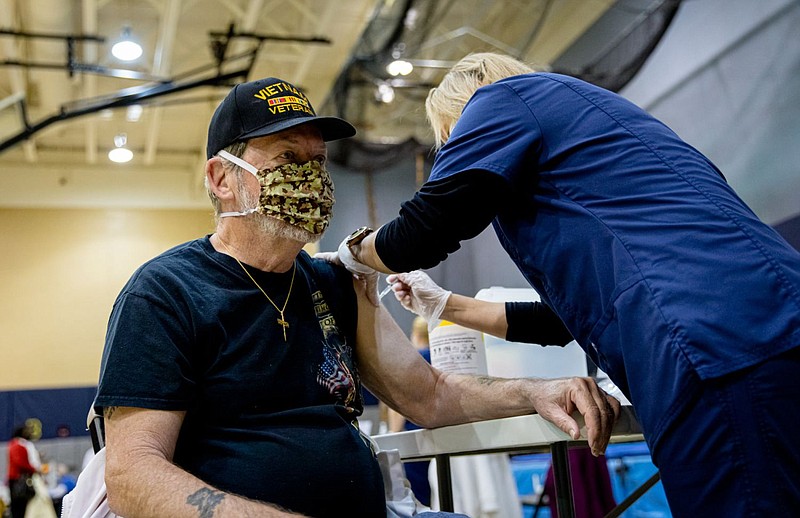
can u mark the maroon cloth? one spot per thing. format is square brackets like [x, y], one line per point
[591, 485]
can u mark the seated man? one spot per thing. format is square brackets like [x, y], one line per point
[232, 371]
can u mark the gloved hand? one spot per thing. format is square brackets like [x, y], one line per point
[419, 294]
[350, 262]
[369, 276]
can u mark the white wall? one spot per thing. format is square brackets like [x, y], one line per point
[726, 78]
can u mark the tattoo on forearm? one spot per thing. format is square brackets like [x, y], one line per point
[486, 380]
[205, 499]
[109, 411]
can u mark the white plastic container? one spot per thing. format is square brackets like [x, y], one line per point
[506, 359]
[457, 349]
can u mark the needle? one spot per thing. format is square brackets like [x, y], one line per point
[385, 291]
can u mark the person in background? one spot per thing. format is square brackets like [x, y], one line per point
[23, 463]
[664, 276]
[231, 377]
[65, 482]
[417, 292]
[416, 472]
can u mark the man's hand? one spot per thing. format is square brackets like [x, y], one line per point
[557, 399]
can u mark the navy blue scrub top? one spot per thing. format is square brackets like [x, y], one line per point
[631, 235]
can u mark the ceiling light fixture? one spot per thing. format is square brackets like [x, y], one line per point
[134, 113]
[126, 49]
[384, 93]
[120, 154]
[399, 67]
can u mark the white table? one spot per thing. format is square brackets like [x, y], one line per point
[528, 433]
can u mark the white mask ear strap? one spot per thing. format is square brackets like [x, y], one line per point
[235, 214]
[238, 161]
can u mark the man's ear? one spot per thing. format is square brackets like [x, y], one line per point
[219, 182]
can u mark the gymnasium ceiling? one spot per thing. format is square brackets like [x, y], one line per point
[64, 97]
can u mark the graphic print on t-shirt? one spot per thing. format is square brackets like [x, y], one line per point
[337, 372]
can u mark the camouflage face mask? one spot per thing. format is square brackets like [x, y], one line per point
[299, 194]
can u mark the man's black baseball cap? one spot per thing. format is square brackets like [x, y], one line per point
[264, 107]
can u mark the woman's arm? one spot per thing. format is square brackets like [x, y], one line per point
[482, 315]
[434, 222]
[531, 322]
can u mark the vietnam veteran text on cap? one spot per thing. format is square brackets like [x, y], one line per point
[264, 107]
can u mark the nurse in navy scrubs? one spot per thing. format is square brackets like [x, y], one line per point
[666, 278]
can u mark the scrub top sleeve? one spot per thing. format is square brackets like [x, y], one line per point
[535, 323]
[497, 132]
[441, 215]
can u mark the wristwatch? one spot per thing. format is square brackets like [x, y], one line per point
[349, 257]
[358, 236]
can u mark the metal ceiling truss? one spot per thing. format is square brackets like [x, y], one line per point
[142, 94]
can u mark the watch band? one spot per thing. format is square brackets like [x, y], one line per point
[358, 236]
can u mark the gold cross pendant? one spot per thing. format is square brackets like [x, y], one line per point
[284, 324]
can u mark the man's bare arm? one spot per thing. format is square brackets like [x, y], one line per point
[142, 481]
[395, 372]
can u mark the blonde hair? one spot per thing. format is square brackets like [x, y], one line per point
[445, 103]
[419, 333]
[419, 325]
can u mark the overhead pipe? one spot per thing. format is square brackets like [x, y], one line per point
[137, 96]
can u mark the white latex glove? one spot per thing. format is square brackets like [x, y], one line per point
[419, 294]
[350, 262]
[370, 277]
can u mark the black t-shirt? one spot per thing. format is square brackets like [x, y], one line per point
[267, 419]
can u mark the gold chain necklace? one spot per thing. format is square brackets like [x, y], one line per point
[282, 320]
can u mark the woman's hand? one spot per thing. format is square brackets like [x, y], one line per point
[419, 294]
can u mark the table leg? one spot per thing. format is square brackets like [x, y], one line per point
[562, 479]
[443, 477]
